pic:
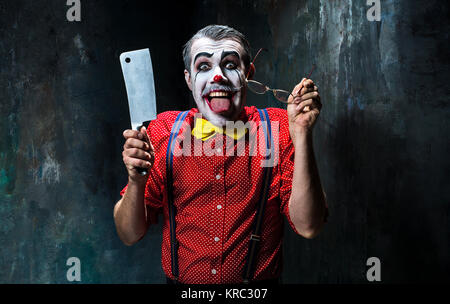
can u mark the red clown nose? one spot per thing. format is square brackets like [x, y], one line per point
[218, 78]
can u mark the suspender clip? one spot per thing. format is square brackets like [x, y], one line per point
[254, 237]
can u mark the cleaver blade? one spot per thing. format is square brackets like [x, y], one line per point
[139, 82]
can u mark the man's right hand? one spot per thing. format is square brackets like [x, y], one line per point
[138, 152]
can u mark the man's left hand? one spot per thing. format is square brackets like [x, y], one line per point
[303, 108]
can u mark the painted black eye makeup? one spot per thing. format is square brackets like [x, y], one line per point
[240, 77]
[230, 60]
[230, 64]
[202, 64]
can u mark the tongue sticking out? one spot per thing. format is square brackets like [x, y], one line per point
[220, 104]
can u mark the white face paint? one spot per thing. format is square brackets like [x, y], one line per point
[217, 79]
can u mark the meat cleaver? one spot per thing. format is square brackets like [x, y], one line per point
[139, 81]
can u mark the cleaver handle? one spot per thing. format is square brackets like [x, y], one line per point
[143, 171]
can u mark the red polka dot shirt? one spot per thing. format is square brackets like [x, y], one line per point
[216, 197]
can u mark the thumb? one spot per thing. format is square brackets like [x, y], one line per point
[143, 130]
[303, 80]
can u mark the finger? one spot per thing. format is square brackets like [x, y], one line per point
[308, 83]
[129, 167]
[137, 153]
[296, 99]
[311, 104]
[315, 106]
[297, 91]
[312, 116]
[297, 88]
[304, 106]
[131, 134]
[310, 95]
[135, 143]
[131, 162]
[305, 90]
[147, 138]
[143, 132]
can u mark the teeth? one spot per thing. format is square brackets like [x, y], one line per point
[219, 94]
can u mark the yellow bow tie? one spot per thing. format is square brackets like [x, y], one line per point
[203, 130]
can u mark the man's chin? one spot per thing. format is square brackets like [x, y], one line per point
[218, 119]
[225, 113]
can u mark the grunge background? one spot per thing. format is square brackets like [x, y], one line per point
[381, 142]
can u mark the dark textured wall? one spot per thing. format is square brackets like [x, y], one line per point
[382, 140]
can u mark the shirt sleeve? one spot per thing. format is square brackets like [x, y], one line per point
[154, 188]
[286, 166]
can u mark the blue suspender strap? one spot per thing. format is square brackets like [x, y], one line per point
[172, 211]
[256, 234]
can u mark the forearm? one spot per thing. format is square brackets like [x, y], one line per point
[307, 201]
[130, 214]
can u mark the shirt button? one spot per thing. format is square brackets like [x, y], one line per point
[213, 271]
[219, 207]
[216, 239]
[218, 176]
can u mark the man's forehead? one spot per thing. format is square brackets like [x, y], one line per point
[208, 45]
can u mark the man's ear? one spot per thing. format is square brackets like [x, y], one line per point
[187, 77]
[251, 70]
